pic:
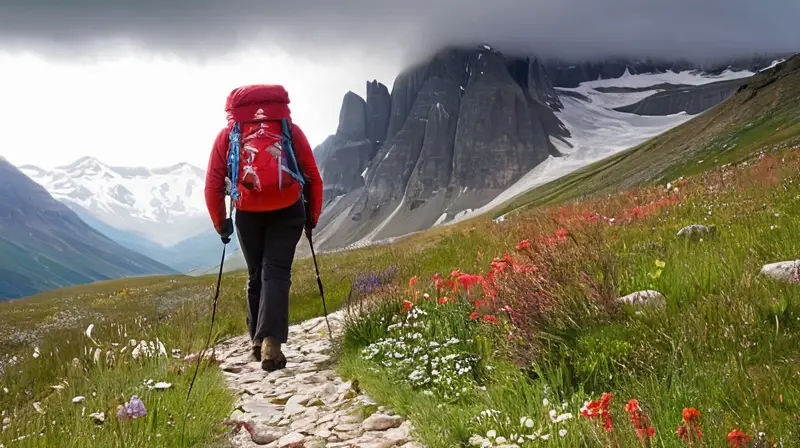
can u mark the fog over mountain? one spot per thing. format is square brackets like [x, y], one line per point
[412, 29]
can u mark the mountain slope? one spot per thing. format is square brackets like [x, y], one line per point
[163, 205]
[461, 128]
[765, 111]
[470, 129]
[45, 245]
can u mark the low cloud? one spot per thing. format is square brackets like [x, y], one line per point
[408, 29]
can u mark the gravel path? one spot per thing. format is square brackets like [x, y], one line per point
[306, 405]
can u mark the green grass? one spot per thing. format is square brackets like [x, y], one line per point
[727, 343]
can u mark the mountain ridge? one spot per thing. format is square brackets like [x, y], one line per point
[449, 153]
[46, 245]
[164, 205]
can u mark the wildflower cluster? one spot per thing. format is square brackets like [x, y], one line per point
[442, 366]
[526, 433]
[689, 429]
[370, 282]
[600, 409]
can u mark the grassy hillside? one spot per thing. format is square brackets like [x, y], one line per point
[766, 112]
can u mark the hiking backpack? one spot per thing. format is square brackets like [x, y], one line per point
[260, 160]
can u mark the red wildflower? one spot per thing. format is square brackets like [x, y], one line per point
[407, 305]
[413, 281]
[478, 303]
[468, 280]
[490, 318]
[455, 273]
[524, 244]
[443, 300]
[738, 439]
[474, 315]
[641, 422]
[562, 233]
[498, 266]
[600, 409]
[436, 277]
[690, 426]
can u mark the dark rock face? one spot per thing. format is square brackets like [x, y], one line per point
[461, 128]
[352, 118]
[379, 107]
[343, 157]
[498, 138]
[691, 99]
[571, 74]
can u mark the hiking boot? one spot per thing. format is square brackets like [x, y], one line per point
[255, 354]
[273, 358]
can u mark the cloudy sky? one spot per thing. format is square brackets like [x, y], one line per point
[143, 82]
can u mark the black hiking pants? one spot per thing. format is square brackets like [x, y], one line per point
[268, 241]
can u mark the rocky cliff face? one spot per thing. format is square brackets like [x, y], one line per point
[464, 126]
[689, 99]
[571, 74]
[455, 132]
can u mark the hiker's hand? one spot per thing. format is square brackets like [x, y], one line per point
[227, 231]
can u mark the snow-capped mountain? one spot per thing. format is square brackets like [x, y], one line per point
[164, 205]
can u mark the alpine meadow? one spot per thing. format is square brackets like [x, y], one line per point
[502, 249]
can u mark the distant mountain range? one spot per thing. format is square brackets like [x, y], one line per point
[45, 245]
[163, 205]
[158, 212]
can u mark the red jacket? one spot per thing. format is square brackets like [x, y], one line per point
[270, 102]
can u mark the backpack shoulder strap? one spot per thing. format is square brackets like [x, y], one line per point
[234, 143]
[286, 144]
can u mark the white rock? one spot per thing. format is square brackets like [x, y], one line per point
[381, 422]
[290, 438]
[696, 230]
[646, 298]
[785, 271]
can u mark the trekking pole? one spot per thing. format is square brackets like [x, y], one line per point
[319, 282]
[208, 341]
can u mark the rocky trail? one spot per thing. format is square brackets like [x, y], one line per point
[305, 405]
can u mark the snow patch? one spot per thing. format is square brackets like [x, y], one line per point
[440, 220]
[774, 64]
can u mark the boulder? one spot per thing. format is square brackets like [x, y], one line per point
[696, 231]
[645, 298]
[785, 271]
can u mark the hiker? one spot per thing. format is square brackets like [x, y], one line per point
[276, 192]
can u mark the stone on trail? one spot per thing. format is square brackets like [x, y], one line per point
[645, 298]
[262, 436]
[785, 271]
[381, 422]
[291, 439]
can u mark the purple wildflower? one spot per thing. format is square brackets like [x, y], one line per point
[370, 282]
[133, 409]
